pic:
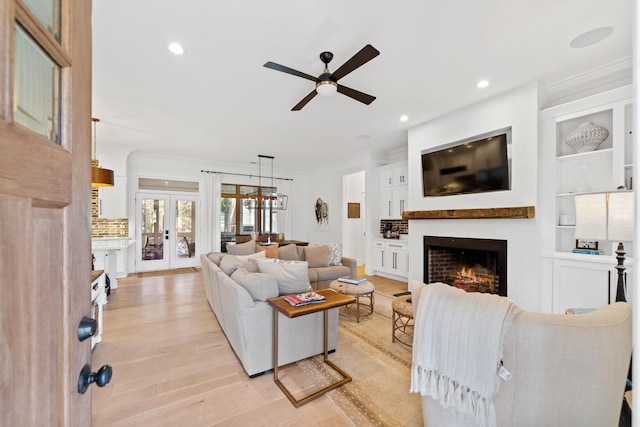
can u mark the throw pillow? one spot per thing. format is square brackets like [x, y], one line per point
[335, 253]
[251, 265]
[245, 258]
[317, 256]
[216, 257]
[245, 248]
[261, 286]
[292, 276]
[288, 252]
[230, 263]
[271, 250]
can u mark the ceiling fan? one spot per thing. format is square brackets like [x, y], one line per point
[327, 83]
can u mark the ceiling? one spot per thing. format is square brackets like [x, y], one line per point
[217, 102]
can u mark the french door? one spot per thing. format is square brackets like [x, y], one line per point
[168, 231]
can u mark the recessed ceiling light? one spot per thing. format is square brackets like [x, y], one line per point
[176, 48]
[482, 84]
[591, 37]
[404, 118]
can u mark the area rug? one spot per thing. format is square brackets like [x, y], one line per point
[379, 392]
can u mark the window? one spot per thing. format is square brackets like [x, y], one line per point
[246, 209]
[37, 88]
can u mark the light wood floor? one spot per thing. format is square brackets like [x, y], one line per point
[172, 365]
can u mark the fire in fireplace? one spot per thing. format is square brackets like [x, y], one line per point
[474, 265]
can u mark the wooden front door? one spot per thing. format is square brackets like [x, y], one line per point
[44, 210]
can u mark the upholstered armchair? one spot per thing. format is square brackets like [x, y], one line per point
[567, 370]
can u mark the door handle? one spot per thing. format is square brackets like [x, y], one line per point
[86, 377]
[87, 328]
[166, 234]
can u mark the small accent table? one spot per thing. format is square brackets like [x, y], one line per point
[364, 289]
[334, 299]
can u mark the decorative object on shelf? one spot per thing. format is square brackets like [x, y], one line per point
[586, 137]
[100, 177]
[586, 244]
[607, 216]
[567, 218]
[584, 186]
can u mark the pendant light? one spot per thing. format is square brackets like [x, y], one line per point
[99, 177]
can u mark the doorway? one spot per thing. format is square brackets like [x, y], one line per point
[353, 230]
[167, 231]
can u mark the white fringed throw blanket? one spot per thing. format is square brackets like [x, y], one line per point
[457, 348]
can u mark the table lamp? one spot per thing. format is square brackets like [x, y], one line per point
[607, 216]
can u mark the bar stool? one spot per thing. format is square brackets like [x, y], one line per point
[402, 320]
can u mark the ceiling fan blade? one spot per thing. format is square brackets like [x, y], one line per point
[357, 95]
[305, 100]
[288, 70]
[365, 55]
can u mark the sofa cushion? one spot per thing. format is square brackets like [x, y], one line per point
[231, 263]
[333, 272]
[292, 276]
[288, 252]
[335, 253]
[317, 256]
[261, 286]
[216, 257]
[245, 248]
[271, 250]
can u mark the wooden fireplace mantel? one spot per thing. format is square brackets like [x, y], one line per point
[508, 213]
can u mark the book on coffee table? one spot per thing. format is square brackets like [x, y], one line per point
[356, 281]
[304, 298]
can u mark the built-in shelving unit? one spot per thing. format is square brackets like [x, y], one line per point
[581, 280]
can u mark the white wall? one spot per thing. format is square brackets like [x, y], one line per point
[353, 235]
[519, 109]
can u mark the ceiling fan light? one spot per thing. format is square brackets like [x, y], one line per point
[326, 88]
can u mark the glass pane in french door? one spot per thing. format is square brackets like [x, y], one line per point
[48, 13]
[152, 229]
[36, 104]
[185, 232]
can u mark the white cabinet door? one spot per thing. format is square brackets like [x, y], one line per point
[399, 202]
[399, 176]
[386, 178]
[112, 201]
[580, 284]
[386, 203]
[378, 259]
[401, 264]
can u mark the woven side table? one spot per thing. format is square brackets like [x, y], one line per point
[402, 320]
[363, 290]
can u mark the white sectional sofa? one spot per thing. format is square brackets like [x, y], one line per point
[248, 322]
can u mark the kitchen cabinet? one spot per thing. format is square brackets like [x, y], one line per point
[583, 284]
[112, 201]
[391, 257]
[393, 191]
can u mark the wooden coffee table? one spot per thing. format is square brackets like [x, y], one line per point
[334, 299]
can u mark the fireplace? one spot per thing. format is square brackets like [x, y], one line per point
[475, 265]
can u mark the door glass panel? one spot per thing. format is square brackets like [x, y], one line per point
[152, 229]
[185, 229]
[269, 217]
[248, 217]
[227, 220]
[48, 13]
[37, 88]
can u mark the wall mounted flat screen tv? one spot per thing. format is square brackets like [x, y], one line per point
[474, 165]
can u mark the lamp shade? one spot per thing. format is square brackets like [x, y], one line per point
[620, 219]
[605, 216]
[591, 216]
[101, 177]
